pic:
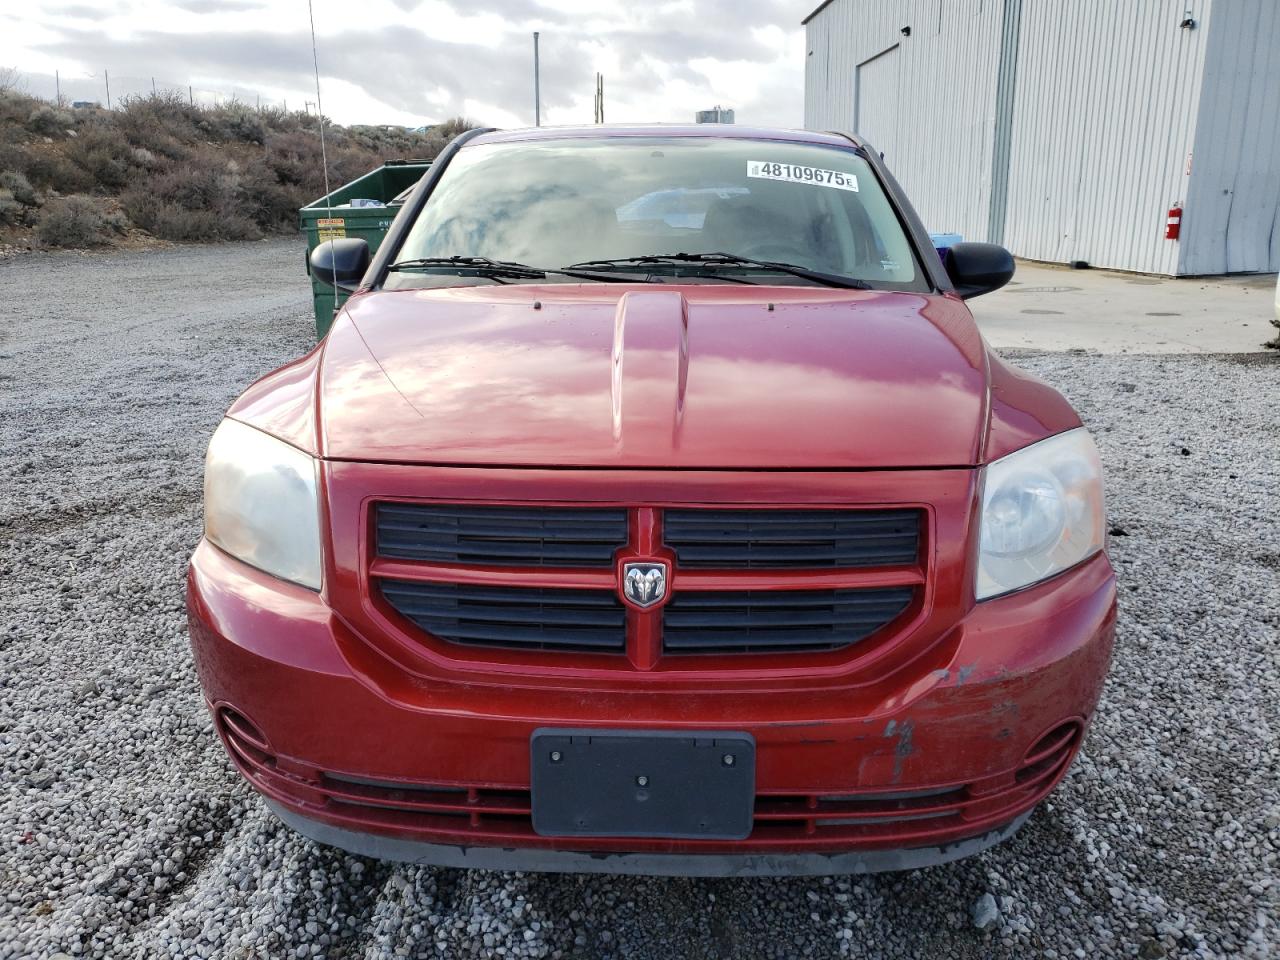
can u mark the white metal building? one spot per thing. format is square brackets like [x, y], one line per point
[1067, 129]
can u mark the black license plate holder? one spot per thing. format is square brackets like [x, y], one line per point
[623, 783]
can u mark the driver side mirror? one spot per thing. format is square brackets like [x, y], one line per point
[340, 263]
[978, 268]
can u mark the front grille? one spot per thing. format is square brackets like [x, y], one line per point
[760, 621]
[550, 576]
[526, 618]
[762, 539]
[500, 536]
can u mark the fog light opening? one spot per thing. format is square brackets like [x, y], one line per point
[1050, 751]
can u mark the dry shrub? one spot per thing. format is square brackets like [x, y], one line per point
[345, 164]
[51, 170]
[16, 108]
[293, 156]
[11, 210]
[104, 153]
[272, 205]
[191, 201]
[49, 121]
[13, 156]
[184, 172]
[233, 122]
[146, 159]
[168, 221]
[19, 188]
[164, 124]
[73, 222]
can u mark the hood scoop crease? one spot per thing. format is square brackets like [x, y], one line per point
[650, 367]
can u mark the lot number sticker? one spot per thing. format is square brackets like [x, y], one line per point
[767, 170]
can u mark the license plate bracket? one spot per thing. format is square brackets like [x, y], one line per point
[625, 783]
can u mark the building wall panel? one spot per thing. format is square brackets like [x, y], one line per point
[945, 95]
[1103, 123]
[1232, 218]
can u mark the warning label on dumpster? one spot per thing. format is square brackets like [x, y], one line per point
[331, 228]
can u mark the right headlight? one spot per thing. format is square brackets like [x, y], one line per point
[1042, 512]
[260, 503]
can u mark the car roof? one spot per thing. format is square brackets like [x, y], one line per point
[692, 130]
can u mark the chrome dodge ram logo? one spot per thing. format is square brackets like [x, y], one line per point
[644, 584]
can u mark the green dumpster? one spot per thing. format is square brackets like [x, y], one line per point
[334, 216]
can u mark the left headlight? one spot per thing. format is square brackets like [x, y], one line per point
[1042, 512]
[260, 503]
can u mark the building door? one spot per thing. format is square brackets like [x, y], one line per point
[876, 111]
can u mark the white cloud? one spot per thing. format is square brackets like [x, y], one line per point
[414, 61]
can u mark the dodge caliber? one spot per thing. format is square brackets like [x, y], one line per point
[654, 505]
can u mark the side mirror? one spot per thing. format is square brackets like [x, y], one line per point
[340, 263]
[978, 268]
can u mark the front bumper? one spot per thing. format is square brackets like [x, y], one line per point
[939, 761]
[536, 859]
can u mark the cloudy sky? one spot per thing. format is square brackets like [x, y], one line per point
[419, 61]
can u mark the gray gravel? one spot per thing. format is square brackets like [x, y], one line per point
[124, 833]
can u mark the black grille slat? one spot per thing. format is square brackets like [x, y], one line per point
[515, 617]
[531, 514]
[787, 521]
[409, 591]
[509, 553]
[500, 536]
[791, 556]
[538, 637]
[445, 614]
[764, 539]
[789, 599]
[452, 527]
[758, 621]
[740, 618]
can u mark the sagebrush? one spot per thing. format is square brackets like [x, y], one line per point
[176, 170]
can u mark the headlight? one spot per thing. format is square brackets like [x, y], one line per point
[1041, 512]
[260, 503]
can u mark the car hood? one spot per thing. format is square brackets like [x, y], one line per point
[640, 376]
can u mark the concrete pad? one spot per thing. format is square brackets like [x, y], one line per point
[1048, 307]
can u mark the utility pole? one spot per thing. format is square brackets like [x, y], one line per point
[191, 97]
[537, 84]
[599, 98]
[106, 76]
[57, 82]
[153, 86]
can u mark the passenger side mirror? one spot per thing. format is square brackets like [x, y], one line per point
[340, 263]
[978, 268]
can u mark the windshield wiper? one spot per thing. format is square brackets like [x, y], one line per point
[502, 269]
[727, 260]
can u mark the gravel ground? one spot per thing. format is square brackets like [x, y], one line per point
[124, 833]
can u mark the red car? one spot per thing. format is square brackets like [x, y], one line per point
[654, 505]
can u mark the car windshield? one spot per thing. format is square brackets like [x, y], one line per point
[554, 203]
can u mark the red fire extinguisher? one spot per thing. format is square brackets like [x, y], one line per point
[1173, 225]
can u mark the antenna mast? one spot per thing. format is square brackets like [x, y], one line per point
[324, 158]
[537, 84]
